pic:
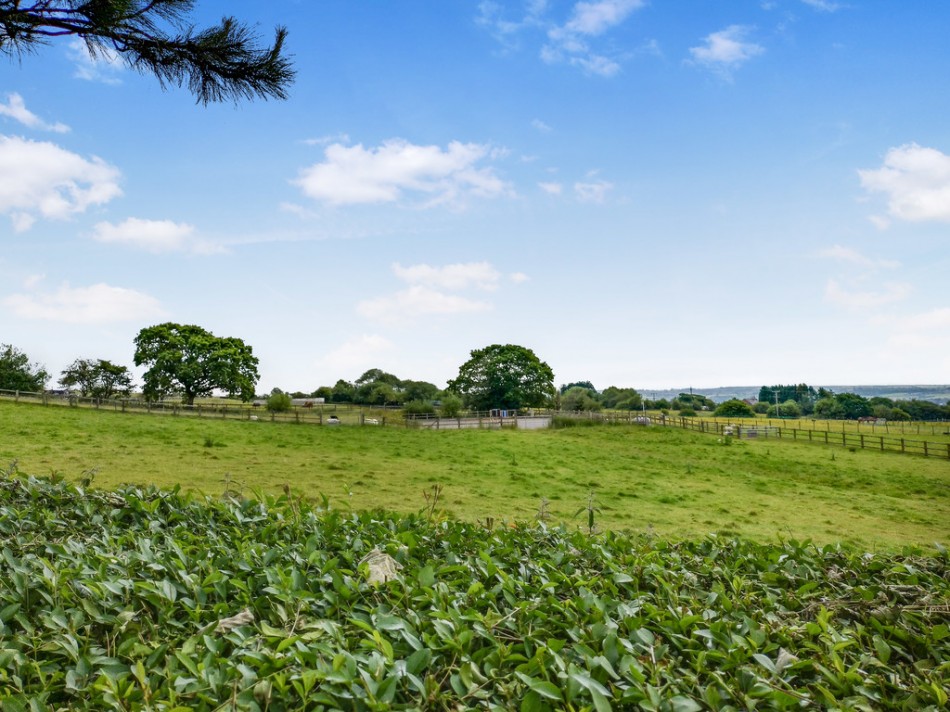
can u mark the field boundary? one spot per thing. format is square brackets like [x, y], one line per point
[320, 414]
[864, 441]
[351, 414]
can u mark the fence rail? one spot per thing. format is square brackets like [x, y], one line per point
[349, 414]
[844, 438]
[319, 414]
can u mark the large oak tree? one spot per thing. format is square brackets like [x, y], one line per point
[220, 62]
[186, 359]
[505, 377]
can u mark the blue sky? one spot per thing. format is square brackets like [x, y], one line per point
[649, 194]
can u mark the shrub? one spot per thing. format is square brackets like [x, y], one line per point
[566, 421]
[418, 407]
[788, 409]
[451, 406]
[687, 412]
[278, 403]
[734, 408]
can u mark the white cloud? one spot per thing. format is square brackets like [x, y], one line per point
[357, 354]
[726, 50]
[854, 299]
[567, 41]
[41, 179]
[551, 188]
[594, 192]
[416, 301]
[595, 18]
[98, 304]
[16, 109]
[851, 256]
[916, 181]
[518, 277]
[104, 67]
[481, 275]
[354, 175]
[155, 236]
[823, 5]
[325, 140]
[541, 126]
[596, 64]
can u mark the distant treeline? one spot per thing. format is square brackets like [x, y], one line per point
[801, 399]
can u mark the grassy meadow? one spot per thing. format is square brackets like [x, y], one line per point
[663, 480]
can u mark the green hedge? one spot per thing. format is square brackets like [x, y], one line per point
[121, 600]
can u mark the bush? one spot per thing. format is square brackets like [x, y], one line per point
[788, 409]
[278, 403]
[451, 406]
[687, 413]
[418, 407]
[566, 421]
[734, 408]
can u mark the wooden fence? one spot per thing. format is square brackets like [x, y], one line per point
[844, 438]
[319, 414]
[812, 431]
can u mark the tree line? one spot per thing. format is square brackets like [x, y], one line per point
[186, 361]
[802, 400]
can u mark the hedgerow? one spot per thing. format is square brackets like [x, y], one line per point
[140, 598]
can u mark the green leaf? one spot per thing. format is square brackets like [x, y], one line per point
[426, 577]
[679, 703]
[418, 661]
[531, 702]
[589, 683]
[882, 648]
[601, 701]
[547, 689]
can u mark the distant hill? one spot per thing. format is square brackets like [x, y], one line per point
[935, 393]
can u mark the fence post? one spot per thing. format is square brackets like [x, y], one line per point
[862, 441]
[925, 449]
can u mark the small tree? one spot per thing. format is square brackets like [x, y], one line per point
[278, 402]
[343, 392]
[828, 408]
[586, 385]
[788, 409]
[418, 407]
[18, 374]
[451, 406]
[734, 408]
[578, 398]
[97, 378]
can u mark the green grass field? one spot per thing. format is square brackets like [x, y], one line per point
[665, 480]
